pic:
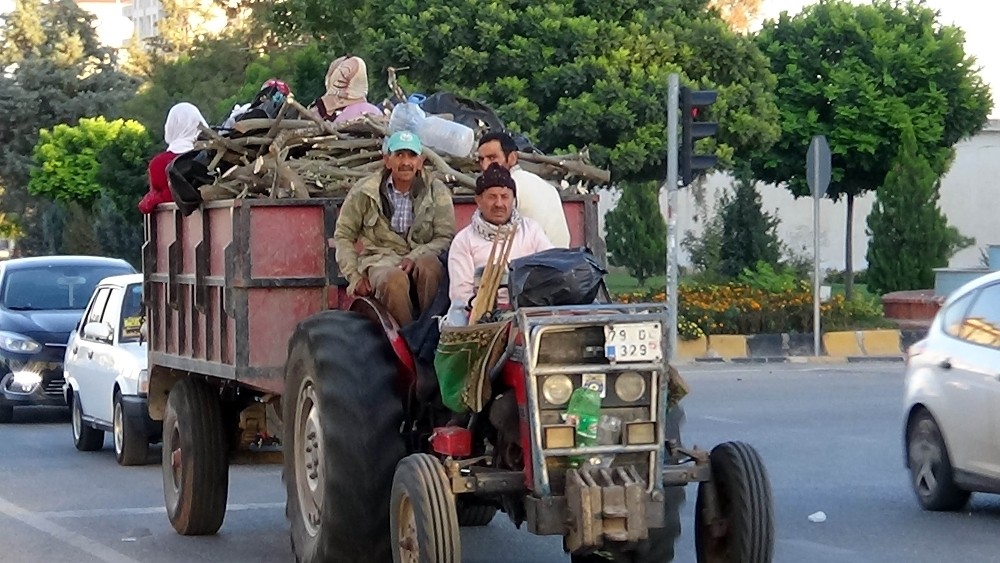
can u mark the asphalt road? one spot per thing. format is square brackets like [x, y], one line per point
[829, 435]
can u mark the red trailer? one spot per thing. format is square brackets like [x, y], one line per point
[246, 309]
[227, 285]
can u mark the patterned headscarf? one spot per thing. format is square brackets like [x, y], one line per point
[346, 83]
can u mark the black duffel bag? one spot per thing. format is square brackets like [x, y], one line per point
[554, 277]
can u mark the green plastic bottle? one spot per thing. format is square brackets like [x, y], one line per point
[584, 412]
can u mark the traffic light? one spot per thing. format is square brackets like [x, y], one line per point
[693, 102]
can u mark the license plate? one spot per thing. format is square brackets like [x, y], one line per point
[633, 342]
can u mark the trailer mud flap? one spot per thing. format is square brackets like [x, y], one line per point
[605, 505]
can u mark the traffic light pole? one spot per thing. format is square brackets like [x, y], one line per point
[673, 89]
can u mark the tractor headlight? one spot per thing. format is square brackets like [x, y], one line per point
[557, 389]
[630, 386]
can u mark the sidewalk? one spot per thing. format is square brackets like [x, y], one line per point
[836, 347]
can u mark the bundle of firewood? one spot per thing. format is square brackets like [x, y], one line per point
[310, 157]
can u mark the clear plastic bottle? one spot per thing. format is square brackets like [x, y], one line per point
[406, 117]
[446, 136]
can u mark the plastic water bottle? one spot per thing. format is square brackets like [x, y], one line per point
[584, 412]
[406, 117]
[446, 136]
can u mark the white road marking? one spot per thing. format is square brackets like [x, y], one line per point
[816, 547]
[83, 543]
[720, 419]
[97, 512]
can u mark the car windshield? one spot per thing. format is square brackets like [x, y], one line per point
[54, 287]
[131, 321]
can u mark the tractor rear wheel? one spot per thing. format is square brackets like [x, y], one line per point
[341, 436]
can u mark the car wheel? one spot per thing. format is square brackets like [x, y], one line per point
[131, 445]
[931, 474]
[85, 438]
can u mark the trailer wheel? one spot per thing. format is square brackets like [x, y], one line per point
[743, 531]
[131, 445]
[422, 513]
[474, 515]
[659, 548]
[195, 459]
[342, 420]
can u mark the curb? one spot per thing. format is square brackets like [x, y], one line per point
[880, 345]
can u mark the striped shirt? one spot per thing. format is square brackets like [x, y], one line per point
[402, 209]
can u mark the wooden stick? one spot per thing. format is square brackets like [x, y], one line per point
[479, 302]
[508, 246]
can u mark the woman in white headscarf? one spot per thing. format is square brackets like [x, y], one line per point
[346, 91]
[180, 132]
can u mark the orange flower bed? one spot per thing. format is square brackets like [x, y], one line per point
[742, 309]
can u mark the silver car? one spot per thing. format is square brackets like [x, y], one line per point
[952, 402]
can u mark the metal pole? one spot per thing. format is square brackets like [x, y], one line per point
[816, 325]
[673, 93]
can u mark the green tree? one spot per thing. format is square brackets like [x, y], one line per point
[636, 232]
[118, 225]
[335, 26]
[569, 74]
[212, 71]
[705, 251]
[910, 236]
[749, 234]
[55, 72]
[66, 157]
[857, 74]
[302, 68]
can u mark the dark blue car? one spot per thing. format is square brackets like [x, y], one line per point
[41, 301]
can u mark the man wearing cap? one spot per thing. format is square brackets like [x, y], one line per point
[404, 220]
[536, 198]
[496, 192]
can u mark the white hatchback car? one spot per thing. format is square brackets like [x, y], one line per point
[952, 401]
[105, 372]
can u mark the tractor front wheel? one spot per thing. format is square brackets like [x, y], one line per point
[734, 515]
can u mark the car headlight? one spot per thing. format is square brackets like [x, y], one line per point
[630, 386]
[26, 380]
[18, 343]
[557, 389]
[144, 382]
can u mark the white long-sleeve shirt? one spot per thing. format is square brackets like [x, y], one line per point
[539, 200]
[470, 250]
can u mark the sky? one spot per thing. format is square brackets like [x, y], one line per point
[978, 18]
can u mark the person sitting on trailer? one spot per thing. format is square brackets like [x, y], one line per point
[346, 95]
[404, 219]
[474, 248]
[180, 131]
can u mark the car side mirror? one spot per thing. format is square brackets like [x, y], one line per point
[97, 331]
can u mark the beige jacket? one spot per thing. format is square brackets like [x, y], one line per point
[363, 218]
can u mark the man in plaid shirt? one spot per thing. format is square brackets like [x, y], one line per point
[404, 220]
